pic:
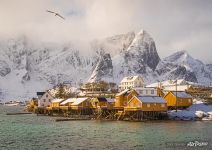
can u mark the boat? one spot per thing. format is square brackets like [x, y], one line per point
[207, 119]
[1, 103]
[12, 103]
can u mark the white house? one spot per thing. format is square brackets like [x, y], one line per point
[131, 82]
[45, 99]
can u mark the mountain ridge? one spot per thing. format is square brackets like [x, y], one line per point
[33, 69]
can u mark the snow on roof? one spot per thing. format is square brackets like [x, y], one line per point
[129, 78]
[151, 99]
[79, 100]
[171, 83]
[57, 100]
[70, 100]
[123, 92]
[182, 95]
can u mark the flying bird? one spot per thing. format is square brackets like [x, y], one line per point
[56, 14]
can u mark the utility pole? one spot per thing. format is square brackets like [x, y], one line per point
[176, 94]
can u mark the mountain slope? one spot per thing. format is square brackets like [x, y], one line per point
[25, 69]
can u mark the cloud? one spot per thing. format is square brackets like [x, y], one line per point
[174, 25]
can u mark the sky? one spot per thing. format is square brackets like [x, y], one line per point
[174, 24]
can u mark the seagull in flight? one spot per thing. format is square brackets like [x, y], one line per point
[56, 14]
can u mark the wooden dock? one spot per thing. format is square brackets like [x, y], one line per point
[19, 113]
[71, 119]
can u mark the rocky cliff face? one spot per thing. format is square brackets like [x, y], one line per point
[4, 68]
[103, 69]
[142, 51]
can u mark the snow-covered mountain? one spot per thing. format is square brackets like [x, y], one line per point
[139, 57]
[181, 65]
[26, 68]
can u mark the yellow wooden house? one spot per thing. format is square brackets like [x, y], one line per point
[55, 103]
[178, 99]
[123, 98]
[146, 103]
[102, 102]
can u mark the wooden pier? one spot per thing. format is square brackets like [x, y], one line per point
[19, 113]
[71, 119]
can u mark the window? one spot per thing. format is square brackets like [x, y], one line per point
[141, 91]
[146, 91]
[44, 100]
[152, 91]
[49, 100]
[148, 105]
[46, 95]
[162, 105]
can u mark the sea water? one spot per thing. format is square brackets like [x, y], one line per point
[31, 132]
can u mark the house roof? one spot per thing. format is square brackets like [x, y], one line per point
[102, 99]
[79, 100]
[70, 100]
[123, 92]
[151, 99]
[40, 93]
[182, 94]
[57, 100]
[129, 78]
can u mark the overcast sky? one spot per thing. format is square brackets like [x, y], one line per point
[173, 24]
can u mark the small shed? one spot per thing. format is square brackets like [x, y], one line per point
[178, 99]
[146, 103]
[99, 102]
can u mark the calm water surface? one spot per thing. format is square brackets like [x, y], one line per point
[33, 132]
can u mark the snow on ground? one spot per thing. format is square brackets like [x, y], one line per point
[198, 111]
